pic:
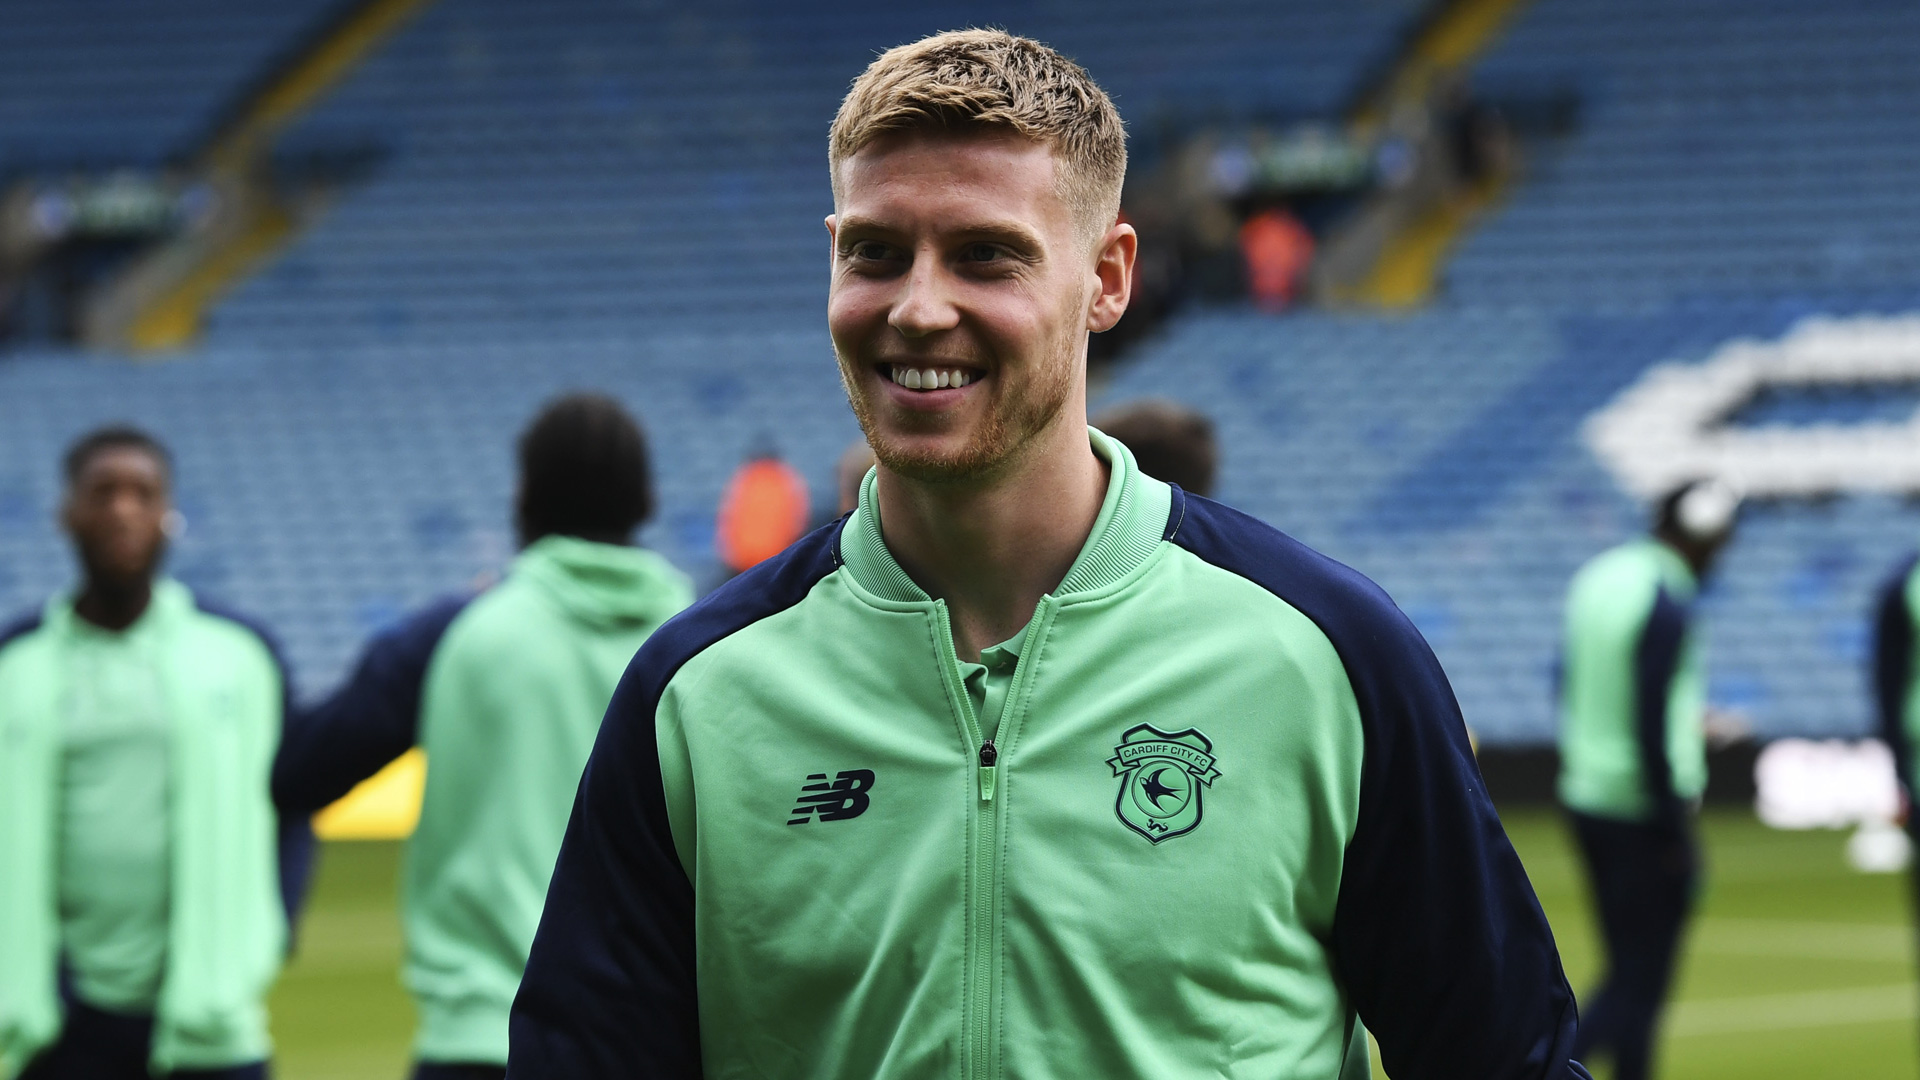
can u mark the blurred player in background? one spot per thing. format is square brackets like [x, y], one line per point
[1633, 755]
[1896, 686]
[505, 691]
[141, 892]
[1169, 442]
[1035, 765]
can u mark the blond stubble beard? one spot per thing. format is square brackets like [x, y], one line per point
[996, 445]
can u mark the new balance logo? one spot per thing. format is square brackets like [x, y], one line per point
[837, 800]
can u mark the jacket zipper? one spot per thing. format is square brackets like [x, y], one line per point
[984, 881]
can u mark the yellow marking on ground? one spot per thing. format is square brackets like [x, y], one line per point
[385, 806]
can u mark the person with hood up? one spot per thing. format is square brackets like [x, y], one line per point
[504, 691]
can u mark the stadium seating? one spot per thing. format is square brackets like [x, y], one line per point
[627, 196]
[579, 193]
[108, 83]
[1727, 148]
[583, 163]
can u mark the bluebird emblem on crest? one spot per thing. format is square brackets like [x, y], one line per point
[1161, 777]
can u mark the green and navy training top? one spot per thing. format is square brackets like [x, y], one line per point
[1228, 815]
[1632, 688]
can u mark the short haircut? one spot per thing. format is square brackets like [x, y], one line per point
[113, 437]
[584, 471]
[991, 79]
[1169, 442]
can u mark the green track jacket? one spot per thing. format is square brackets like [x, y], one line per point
[1632, 688]
[225, 696]
[1230, 813]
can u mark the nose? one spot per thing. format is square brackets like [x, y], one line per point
[925, 305]
[125, 506]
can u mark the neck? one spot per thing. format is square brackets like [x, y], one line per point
[1695, 560]
[614, 539]
[991, 550]
[113, 605]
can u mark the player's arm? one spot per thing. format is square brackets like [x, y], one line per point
[1893, 668]
[609, 989]
[1656, 658]
[366, 723]
[1438, 938]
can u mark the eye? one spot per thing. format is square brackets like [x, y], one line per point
[982, 252]
[868, 251]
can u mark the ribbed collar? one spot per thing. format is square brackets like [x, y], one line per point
[1131, 524]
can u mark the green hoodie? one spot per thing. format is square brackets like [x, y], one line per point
[511, 704]
[505, 693]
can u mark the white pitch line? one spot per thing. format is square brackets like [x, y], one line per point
[1772, 1012]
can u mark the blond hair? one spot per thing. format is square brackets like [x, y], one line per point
[992, 79]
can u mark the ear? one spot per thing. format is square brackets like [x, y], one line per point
[833, 234]
[1113, 270]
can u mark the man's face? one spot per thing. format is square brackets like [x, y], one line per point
[961, 299]
[116, 512]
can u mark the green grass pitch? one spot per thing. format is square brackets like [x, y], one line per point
[1796, 968]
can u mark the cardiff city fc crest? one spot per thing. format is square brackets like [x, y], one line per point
[1160, 780]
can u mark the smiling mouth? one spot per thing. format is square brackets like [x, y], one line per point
[933, 377]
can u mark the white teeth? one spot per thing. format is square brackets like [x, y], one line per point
[931, 378]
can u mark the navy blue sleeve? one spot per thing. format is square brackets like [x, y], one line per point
[1438, 939]
[295, 831]
[1656, 659]
[370, 720]
[1893, 667]
[609, 990]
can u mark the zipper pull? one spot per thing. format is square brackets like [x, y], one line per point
[988, 755]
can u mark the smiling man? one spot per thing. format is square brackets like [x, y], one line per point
[1033, 766]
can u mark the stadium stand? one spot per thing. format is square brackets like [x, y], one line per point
[1738, 168]
[591, 165]
[584, 193]
[106, 83]
[580, 193]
